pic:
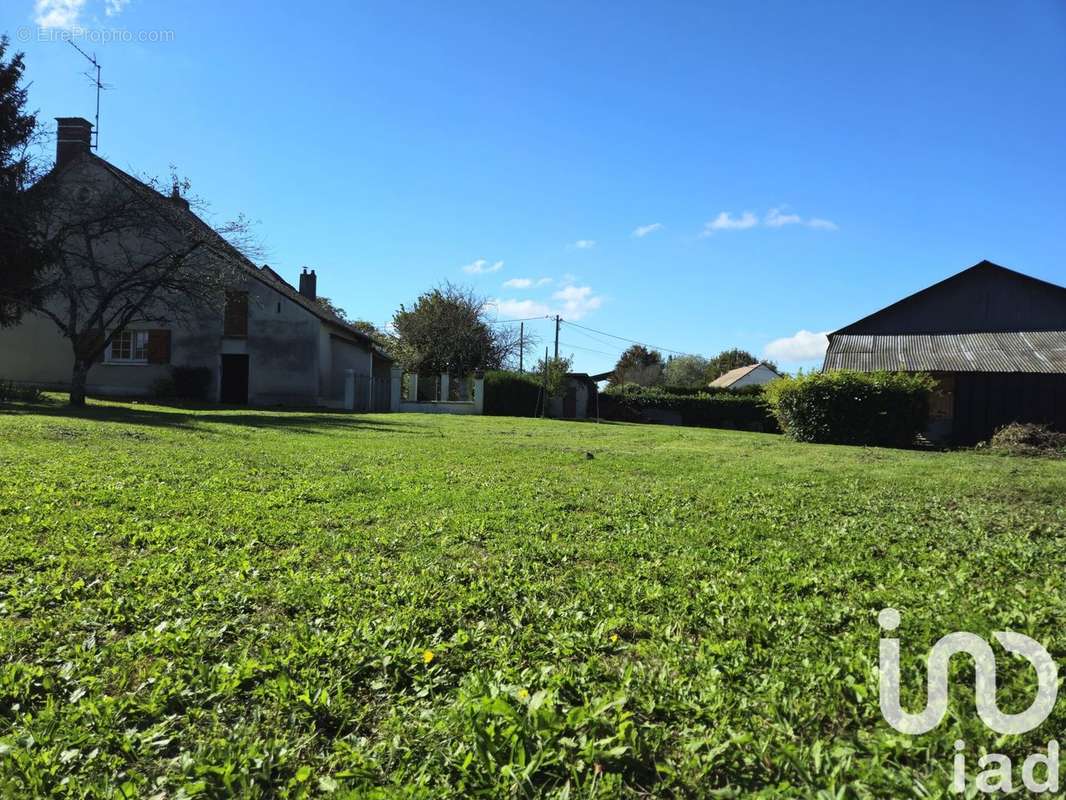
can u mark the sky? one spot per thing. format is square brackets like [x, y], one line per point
[692, 175]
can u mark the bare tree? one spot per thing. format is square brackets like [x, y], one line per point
[119, 252]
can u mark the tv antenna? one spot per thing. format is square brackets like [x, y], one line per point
[95, 81]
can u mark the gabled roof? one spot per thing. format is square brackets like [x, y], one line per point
[983, 273]
[180, 213]
[727, 379]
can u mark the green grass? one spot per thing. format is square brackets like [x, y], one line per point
[265, 604]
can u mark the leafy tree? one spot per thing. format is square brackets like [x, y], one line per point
[553, 373]
[383, 339]
[334, 309]
[448, 330]
[638, 365]
[21, 252]
[689, 372]
[732, 359]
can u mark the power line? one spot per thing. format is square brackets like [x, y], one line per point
[524, 319]
[587, 349]
[631, 341]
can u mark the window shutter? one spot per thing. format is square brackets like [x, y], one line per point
[235, 322]
[159, 347]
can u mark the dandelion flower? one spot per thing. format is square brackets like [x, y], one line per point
[522, 694]
[427, 656]
[614, 637]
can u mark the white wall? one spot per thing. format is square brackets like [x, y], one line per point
[759, 376]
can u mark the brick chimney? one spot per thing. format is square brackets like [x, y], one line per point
[309, 284]
[177, 199]
[74, 137]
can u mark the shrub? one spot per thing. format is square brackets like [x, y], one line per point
[720, 409]
[11, 392]
[511, 394]
[847, 407]
[1028, 439]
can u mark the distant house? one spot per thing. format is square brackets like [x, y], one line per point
[273, 344]
[994, 339]
[751, 375]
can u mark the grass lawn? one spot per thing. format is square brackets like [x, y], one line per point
[265, 604]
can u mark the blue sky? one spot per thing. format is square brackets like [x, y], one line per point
[693, 175]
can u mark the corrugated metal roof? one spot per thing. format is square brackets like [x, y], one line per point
[1020, 351]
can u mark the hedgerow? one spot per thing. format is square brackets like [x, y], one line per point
[745, 410]
[848, 407]
[511, 394]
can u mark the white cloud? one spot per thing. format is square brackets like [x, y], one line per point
[57, 13]
[577, 301]
[727, 222]
[822, 224]
[521, 309]
[801, 346]
[481, 266]
[585, 244]
[775, 219]
[572, 302]
[643, 230]
[115, 7]
[525, 283]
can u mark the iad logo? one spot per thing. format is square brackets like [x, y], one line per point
[991, 780]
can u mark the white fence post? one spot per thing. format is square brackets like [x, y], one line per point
[349, 389]
[397, 387]
[479, 392]
[412, 387]
[445, 385]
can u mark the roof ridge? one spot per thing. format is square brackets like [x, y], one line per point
[279, 283]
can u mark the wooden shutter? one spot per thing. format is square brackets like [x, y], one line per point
[235, 322]
[159, 347]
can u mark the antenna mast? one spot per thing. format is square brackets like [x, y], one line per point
[99, 86]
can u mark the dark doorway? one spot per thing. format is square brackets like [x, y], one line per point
[234, 384]
[570, 402]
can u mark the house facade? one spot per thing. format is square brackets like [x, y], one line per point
[994, 339]
[269, 343]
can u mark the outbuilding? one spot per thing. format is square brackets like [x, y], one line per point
[994, 339]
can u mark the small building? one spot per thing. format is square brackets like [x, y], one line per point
[581, 399]
[751, 375]
[994, 339]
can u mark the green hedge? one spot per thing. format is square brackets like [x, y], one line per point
[846, 407]
[511, 394]
[724, 409]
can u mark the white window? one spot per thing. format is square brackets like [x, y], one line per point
[128, 347]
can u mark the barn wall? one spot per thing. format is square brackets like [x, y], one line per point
[985, 401]
[981, 299]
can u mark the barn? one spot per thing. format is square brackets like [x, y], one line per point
[994, 339]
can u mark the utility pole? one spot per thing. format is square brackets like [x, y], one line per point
[557, 321]
[544, 386]
[521, 344]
